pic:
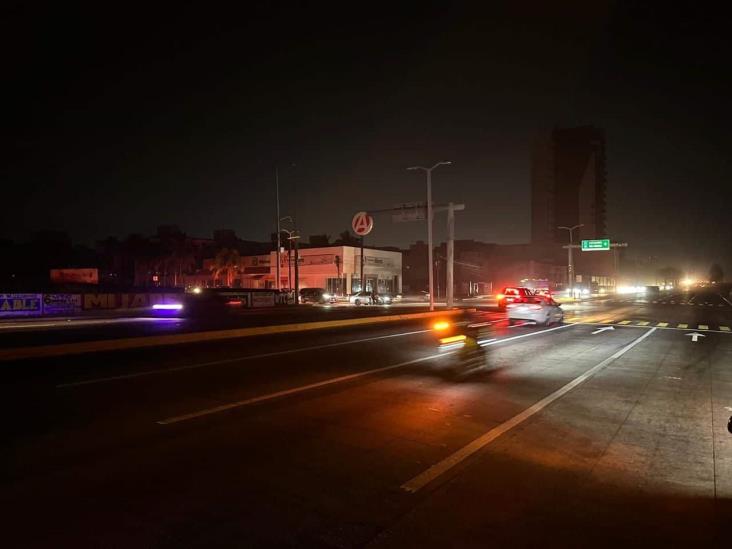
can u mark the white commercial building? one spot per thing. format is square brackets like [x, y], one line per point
[335, 268]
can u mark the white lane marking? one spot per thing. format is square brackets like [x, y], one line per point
[726, 300]
[230, 360]
[333, 381]
[293, 391]
[452, 460]
[604, 328]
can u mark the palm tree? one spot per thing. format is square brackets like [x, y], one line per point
[226, 261]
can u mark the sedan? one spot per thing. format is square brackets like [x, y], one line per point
[361, 298]
[540, 311]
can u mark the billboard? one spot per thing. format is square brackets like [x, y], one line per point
[75, 276]
[20, 305]
[61, 304]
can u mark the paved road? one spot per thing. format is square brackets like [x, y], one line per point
[366, 437]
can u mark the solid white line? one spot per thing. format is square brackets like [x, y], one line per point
[726, 300]
[342, 379]
[230, 360]
[451, 461]
[295, 390]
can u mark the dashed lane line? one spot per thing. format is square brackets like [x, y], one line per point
[643, 323]
[724, 328]
[662, 324]
[442, 467]
[682, 326]
[703, 327]
[624, 322]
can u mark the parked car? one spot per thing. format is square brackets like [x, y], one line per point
[362, 298]
[514, 294]
[316, 295]
[542, 311]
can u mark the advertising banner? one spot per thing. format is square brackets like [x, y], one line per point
[75, 276]
[128, 300]
[20, 305]
[61, 304]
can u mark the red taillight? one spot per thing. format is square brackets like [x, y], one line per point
[440, 325]
[234, 302]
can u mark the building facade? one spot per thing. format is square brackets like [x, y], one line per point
[335, 268]
[568, 185]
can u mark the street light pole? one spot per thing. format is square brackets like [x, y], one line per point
[279, 231]
[570, 258]
[429, 228]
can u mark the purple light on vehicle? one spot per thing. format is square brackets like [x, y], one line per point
[168, 306]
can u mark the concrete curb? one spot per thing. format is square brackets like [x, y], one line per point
[46, 351]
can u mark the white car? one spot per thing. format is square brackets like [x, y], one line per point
[539, 311]
[361, 298]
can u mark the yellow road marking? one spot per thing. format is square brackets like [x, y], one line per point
[624, 322]
[724, 328]
[683, 326]
[703, 327]
[643, 323]
[662, 324]
[608, 321]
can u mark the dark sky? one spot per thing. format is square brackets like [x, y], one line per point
[122, 118]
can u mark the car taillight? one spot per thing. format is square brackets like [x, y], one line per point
[500, 296]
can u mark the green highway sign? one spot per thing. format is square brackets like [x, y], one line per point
[601, 245]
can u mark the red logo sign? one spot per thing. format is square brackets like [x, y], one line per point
[362, 223]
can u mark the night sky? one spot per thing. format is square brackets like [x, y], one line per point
[118, 120]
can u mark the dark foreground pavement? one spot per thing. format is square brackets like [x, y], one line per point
[326, 439]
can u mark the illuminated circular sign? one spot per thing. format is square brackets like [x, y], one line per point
[362, 223]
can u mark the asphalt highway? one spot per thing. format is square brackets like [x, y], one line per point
[573, 435]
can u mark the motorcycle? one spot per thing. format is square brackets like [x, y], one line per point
[463, 341]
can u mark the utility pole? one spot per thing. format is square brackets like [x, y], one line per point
[297, 271]
[279, 231]
[429, 228]
[450, 253]
[570, 258]
[363, 287]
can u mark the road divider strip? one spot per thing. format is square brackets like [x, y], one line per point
[442, 467]
[47, 351]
